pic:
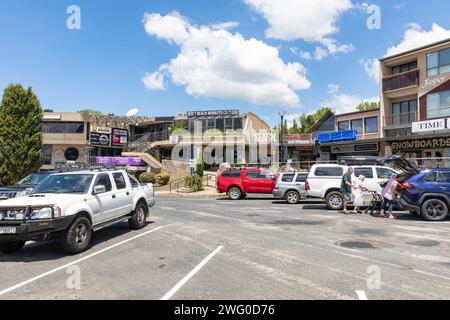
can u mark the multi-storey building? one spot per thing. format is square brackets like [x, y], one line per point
[415, 102]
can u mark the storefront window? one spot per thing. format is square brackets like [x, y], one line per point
[343, 126]
[371, 125]
[357, 125]
[438, 104]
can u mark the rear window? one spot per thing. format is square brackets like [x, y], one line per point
[231, 174]
[329, 172]
[431, 177]
[288, 177]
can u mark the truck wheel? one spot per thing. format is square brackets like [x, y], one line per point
[234, 193]
[292, 197]
[434, 210]
[11, 247]
[77, 237]
[137, 220]
[334, 201]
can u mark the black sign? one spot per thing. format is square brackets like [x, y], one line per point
[218, 113]
[366, 147]
[100, 139]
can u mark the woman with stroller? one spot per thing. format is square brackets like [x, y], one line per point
[358, 194]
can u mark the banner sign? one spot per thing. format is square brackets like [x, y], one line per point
[430, 125]
[218, 113]
[120, 161]
[119, 137]
[421, 144]
[100, 139]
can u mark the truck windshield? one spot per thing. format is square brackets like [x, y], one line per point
[33, 179]
[65, 183]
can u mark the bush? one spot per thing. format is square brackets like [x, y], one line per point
[162, 178]
[194, 182]
[200, 168]
[147, 177]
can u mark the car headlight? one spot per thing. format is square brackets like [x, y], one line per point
[45, 213]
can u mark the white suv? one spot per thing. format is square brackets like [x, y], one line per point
[324, 181]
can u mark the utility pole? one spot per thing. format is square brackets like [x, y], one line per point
[282, 114]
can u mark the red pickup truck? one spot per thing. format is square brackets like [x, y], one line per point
[237, 183]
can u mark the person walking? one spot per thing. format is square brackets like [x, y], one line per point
[388, 194]
[358, 193]
[346, 188]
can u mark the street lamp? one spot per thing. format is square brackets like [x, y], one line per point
[281, 114]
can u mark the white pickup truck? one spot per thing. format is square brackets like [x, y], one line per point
[70, 206]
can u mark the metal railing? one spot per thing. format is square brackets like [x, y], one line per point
[400, 119]
[402, 80]
[141, 142]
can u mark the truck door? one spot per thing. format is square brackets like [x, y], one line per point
[124, 197]
[105, 202]
[251, 181]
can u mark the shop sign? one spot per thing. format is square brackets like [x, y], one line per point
[99, 129]
[430, 125]
[218, 113]
[119, 137]
[99, 139]
[421, 144]
[120, 161]
[368, 147]
[297, 138]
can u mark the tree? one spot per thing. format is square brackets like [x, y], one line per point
[295, 129]
[364, 106]
[91, 112]
[308, 120]
[20, 134]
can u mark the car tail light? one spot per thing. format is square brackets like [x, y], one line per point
[307, 187]
[406, 185]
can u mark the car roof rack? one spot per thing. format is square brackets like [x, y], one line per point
[360, 160]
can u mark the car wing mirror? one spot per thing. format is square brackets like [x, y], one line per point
[99, 189]
[28, 191]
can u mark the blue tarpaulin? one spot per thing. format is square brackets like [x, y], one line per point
[350, 135]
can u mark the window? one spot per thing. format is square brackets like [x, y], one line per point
[343, 126]
[119, 179]
[366, 172]
[289, 177]
[103, 180]
[438, 104]
[237, 123]
[231, 174]
[329, 172]
[63, 127]
[47, 154]
[404, 112]
[229, 123]
[301, 177]
[357, 125]
[385, 173]
[219, 124]
[211, 124]
[404, 67]
[438, 62]
[444, 177]
[432, 177]
[134, 182]
[72, 154]
[371, 125]
[252, 174]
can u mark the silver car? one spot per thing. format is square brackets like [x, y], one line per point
[291, 187]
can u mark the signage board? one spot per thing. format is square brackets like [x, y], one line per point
[99, 129]
[367, 147]
[193, 114]
[119, 137]
[100, 139]
[421, 144]
[120, 161]
[430, 125]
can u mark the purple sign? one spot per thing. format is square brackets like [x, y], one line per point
[120, 161]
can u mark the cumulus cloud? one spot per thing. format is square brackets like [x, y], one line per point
[333, 88]
[216, 63]
[156, 80]
[344, 103]
[313, 21]
[414, 37]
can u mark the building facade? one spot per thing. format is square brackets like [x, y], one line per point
[415, 103]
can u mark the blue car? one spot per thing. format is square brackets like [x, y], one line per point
[427, 193]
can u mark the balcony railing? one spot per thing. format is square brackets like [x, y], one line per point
[402, 80]
[400, 119]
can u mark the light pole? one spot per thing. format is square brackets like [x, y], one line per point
[282, 114]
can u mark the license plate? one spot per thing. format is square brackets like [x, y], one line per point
[7, 230]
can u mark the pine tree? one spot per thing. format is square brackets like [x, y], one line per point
[20, 134]
[295, 129]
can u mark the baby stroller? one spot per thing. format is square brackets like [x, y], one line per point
[375, 205]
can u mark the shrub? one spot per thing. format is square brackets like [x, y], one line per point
[147, 177]
[194, 182]
[162, 178]
[200, 168]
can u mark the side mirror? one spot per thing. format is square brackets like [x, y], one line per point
[99, 189]
[28, 191]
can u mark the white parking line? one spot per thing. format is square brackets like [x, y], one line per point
[361, 295]
[178, 286]
[76, 261]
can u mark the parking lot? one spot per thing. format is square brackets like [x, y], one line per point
[258, 248]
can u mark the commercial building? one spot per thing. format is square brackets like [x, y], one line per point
[415, 103]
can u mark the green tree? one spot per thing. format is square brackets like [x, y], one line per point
[20, 134]
[364, 106]
[91, 112]
[295, 129]
[308, 120]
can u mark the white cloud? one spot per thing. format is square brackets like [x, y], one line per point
[319, 54]
[290, 119]
[333, 88]
[313, 21]
[216, 63]
[225, 25]
[156, 80]
[344, 103]
[414, 37]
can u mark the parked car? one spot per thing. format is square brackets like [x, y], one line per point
[291, 187]
[324, 181]
[427, 193]
[238, 183]
[24, 186]
[69, 207]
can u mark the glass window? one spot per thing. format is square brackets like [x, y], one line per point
[444, 57]
[357, 125]
[289, 177]
[432, 60]
[329, 172]
[385, 173]
[63, 127]
[301, 177]
[430, 177]
[444, 177]
[252, 174]
[366, 172]
[343, 126]
[47, 154]
[404, 68]
[413, 65]
[211, 124]
[219, 124]
[396, 70]
[65, 183]
[119, 179]
[231, 174]
[371, 125]
[134, 182]
[438, 62]
[237, 123]
[103, 180]
[438, 104]
[229, 123]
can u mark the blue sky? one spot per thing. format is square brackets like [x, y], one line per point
[102, 66]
